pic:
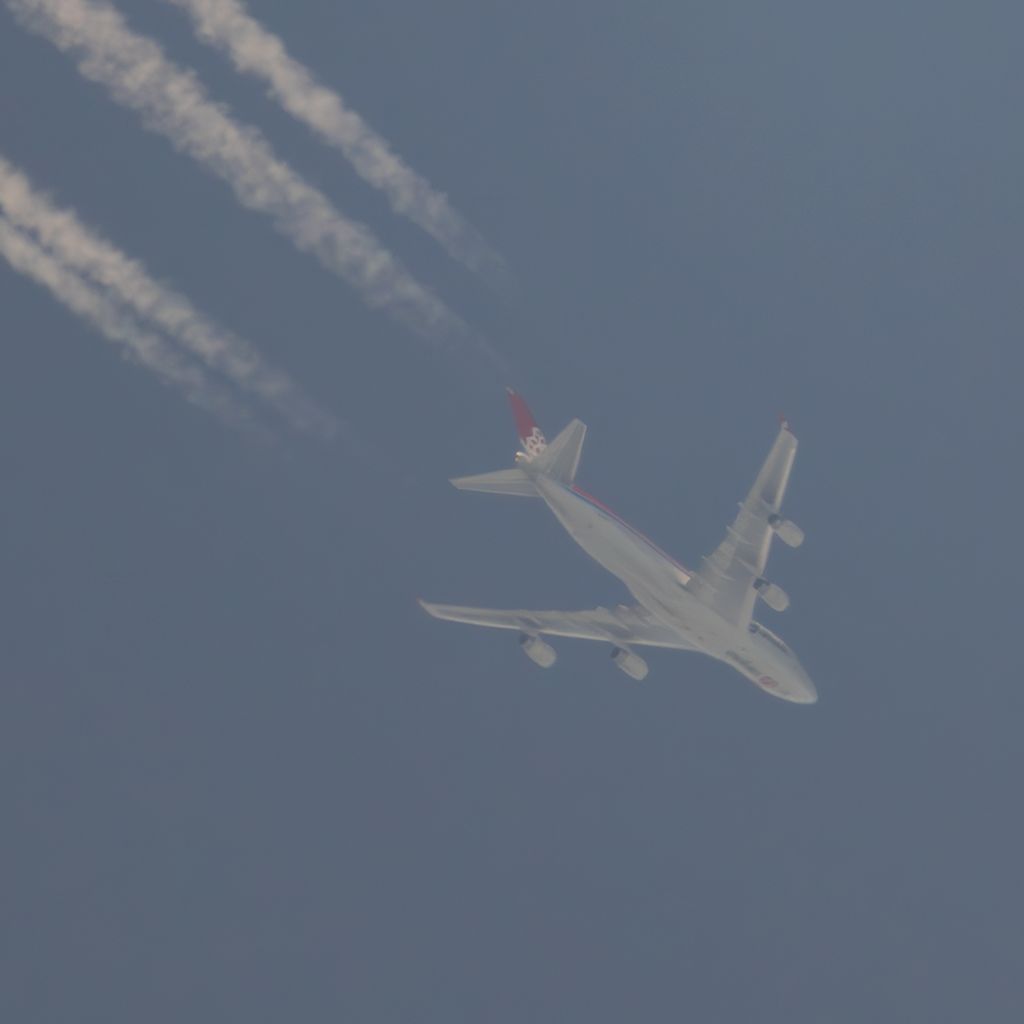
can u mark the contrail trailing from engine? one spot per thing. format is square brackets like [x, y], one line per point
[227, 25]
[106, 316]
[174, 103]
[85, 252]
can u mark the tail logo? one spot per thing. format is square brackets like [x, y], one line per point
[535, 443]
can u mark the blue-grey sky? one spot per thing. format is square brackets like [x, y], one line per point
[244, 777]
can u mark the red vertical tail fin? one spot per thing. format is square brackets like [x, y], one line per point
[530, 435]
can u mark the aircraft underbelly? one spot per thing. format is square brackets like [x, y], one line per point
[608, 542]
[653, 579]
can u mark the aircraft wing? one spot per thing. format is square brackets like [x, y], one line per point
[620, 625]
[726, 579]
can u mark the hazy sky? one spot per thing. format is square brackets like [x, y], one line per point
[245, 777]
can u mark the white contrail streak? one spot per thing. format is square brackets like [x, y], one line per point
[89, 254]
[227, 25]
[91, 304]
[173, 102]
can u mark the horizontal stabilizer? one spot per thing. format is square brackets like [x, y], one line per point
[561, 458]
[502, 481]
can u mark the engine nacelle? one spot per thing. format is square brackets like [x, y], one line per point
[786, 530]
[537, 651]
[772, 594]
[632, 664]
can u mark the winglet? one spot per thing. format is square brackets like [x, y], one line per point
[530, 435]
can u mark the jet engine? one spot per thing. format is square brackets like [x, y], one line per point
[537, 651]
[772, 594]
[632, 664]
[786, 530]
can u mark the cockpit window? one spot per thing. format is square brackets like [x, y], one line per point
[758, 630]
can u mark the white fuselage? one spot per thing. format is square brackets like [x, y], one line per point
[659, 584]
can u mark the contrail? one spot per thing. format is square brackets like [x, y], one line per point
[89, 254]
[142, 346]
[227, 25]
[173, 102]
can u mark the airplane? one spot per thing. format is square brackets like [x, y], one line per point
[709, 611]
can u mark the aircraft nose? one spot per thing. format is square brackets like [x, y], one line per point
[807, 693]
